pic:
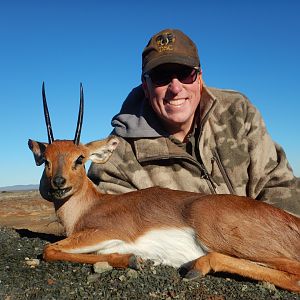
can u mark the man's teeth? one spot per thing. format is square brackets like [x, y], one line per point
[176, 102]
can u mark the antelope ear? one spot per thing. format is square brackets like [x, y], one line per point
[100, 151]
[38, 150]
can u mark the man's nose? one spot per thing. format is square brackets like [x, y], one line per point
[175, 86]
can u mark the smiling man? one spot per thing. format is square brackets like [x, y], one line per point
[178, 133]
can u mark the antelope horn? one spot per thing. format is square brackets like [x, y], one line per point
[80, 117]
[47, 117]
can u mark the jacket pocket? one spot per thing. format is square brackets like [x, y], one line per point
[227, 181]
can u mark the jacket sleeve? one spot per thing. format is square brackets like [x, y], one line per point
[115, 176]
[109, 178]
[271, 178]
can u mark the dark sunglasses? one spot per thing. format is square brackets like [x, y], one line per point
[163, 76]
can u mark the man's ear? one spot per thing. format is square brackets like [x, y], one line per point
[145, 88]
[38, 150]
[100, 151]
[200, 81]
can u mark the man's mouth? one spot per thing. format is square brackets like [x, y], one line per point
[175, 102]
[59, 193]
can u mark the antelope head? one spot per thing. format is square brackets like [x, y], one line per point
[64, 160]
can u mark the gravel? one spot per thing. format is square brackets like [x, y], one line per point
[24, 275]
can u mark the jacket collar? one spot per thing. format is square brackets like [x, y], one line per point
[207, 104]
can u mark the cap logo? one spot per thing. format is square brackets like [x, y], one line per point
[165, 42]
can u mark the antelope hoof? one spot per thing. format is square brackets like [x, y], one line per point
[134, 262]
[192, 275]
[188, 272]
[185, 268]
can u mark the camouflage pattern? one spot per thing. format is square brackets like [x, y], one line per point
[238, 156]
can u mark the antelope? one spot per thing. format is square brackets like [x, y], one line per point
[194, 232]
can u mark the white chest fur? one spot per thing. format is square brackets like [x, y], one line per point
[72, 210]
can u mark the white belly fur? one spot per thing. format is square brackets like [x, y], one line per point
[172, 246]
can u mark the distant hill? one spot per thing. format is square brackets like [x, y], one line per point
[19, 187]
[27, 187]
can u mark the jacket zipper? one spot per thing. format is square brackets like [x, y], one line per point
[204, 174]
[208, 178]
[217, 159]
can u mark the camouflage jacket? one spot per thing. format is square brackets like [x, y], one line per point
[237, 155]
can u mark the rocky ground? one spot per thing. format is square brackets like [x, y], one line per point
[24, 275]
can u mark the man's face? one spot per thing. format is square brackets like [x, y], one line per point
[174, 93]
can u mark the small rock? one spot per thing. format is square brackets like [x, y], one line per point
[101, 267]
[32, 262]
[244, 287]
[269, 286]
[93, 277]
[132, 274]
[50, 281]
[113, 273]
[122, 278]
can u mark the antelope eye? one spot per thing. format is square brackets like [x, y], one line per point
[79, 160]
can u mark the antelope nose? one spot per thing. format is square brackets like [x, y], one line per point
[59, 181]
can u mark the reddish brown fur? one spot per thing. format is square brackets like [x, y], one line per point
[229, 226]
[60, 156]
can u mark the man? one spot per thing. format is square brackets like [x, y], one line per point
[176, 132]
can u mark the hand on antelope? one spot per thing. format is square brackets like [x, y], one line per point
[195, 232]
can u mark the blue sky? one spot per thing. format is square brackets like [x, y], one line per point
[250, 46]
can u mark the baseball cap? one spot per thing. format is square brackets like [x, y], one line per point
[169, 46]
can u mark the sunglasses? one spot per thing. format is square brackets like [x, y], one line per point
[163, 76]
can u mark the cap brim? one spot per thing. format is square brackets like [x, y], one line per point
[171, 59]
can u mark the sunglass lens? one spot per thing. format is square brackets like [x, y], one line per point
[163, 76]
[187, 76]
